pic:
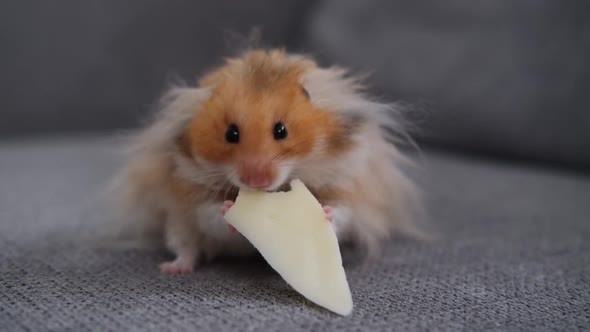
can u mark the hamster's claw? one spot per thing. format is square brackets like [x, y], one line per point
[328, 211]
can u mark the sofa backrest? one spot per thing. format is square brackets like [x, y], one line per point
[97, 65]
[508, 77]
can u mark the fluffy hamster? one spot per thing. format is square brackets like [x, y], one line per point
[258, 121]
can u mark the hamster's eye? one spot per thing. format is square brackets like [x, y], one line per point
[280, 131]
[232, 135]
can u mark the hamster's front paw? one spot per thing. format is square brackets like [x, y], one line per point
[328, 211]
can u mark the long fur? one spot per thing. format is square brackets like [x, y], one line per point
[386, 200]
[382, 198]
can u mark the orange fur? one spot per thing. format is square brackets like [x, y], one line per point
[256, 93]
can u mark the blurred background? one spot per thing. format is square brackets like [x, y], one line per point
[502, 78]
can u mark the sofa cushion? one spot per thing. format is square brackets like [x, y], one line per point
[510, 252]
[502, 77]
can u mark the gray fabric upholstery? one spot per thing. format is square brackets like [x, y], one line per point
[501, 77]
[79, 65]
[512, 254]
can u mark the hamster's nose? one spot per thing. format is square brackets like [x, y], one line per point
[257, 181]
[256, 174]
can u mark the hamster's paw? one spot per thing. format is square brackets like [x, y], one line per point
[328, 211]
[179, 266]
[226, 206]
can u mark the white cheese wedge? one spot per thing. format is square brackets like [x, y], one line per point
[291, 232]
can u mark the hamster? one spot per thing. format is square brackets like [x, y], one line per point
[259, 120]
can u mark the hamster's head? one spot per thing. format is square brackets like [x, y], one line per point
[258, 125]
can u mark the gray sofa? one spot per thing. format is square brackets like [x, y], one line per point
[498, 91]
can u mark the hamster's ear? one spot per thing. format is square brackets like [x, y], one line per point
[183, 145]
[305, 93]
[351, 122]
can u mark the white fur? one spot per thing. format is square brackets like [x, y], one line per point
[214, 227]
[211, 222]
[341, 219]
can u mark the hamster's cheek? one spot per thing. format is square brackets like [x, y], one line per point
[214, 151]
[231, 174]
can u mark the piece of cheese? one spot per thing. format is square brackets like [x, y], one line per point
[291, 232]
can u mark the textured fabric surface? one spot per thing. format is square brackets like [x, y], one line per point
[112, 58]
[500, 77]
[512, 253]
